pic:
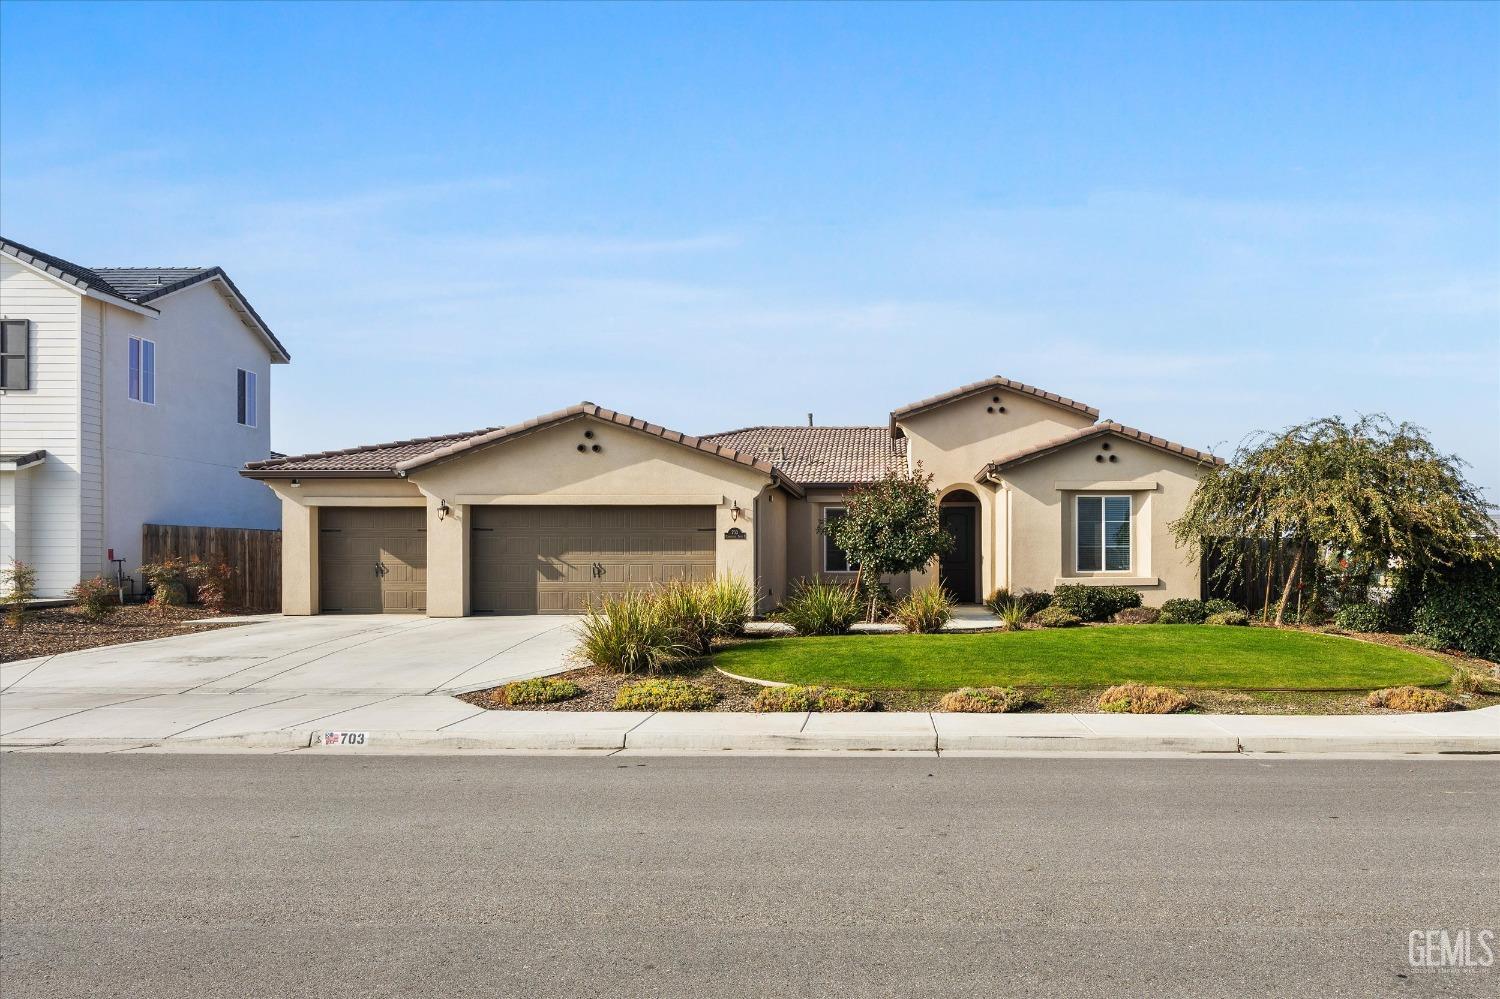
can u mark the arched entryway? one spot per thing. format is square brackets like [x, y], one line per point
[958, 571]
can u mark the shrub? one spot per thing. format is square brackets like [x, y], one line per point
[96, 598]
[1218, 605]
[1410, 699]
[208, 583]
[924, 611]
[1468, 683]
[1182, 610]
[1137, 615]
[1231, 617]
[789, 698]
[814, 607]
[706, 611]
[1360, 618]
[1419, 641]
[1030, 600]
[168, 582]
[1458, 608]
[542, 690]
[20, 589]
[1012, 615]
[797, 698]
[631, 633]
[664, 695]
[1095, 603]
[1140, 699]
[844, 699]
[1055, 617]
[984, 700]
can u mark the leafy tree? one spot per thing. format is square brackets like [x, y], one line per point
[1374, 491]
[890, 526]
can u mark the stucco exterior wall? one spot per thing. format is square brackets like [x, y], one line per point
[1040, 496]
[771, 515]
[956, 440]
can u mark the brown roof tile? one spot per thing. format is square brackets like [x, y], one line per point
[820, 455]
[989, 385]
[400, 457]
[1097, 430]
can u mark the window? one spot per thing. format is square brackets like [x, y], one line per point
[245, 389]
[15, 354]
[143, 370]
[834, 558]
[1103, 533]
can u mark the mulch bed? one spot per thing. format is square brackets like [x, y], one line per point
[52, 630]
[599, 690]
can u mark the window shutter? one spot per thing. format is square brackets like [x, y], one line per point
[239, 393]
[15, 354]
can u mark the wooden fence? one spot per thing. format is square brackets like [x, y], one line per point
[1264, 570]
[253, 557]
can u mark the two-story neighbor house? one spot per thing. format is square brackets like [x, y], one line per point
[547, 515]
[128, 395]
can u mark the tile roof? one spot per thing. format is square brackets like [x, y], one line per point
[1097, 430]
[141, 285]
[401, 457]
[820, 455]
[989, 385]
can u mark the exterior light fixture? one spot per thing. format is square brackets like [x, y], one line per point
[735, 511]
[443, 509]
[296, 484]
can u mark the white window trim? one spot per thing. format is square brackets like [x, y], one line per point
[252, 403]
[1104, 499]
[142, 397]
[824, 541]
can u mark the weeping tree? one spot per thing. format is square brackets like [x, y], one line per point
[1373, 490]
[890, 525]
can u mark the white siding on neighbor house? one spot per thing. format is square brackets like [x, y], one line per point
[13, 490]
[178, 461]
[91, 431]
[46, 415]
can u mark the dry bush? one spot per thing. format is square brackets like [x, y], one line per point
[983, 700]
[1141, 699]
[1138, 615]
[1410, 699]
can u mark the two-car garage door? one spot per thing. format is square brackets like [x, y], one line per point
[560, 559]
[523, 559]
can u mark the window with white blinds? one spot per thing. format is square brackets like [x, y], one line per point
[1103, 534]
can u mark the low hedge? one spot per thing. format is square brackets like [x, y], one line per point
[1056, 617]
[1229, 617]
[1095, 603]
[1137, 615]
[1362, 618]
[1032, 601]
[1183, 610]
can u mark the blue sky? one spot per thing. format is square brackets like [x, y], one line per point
[1203, 220]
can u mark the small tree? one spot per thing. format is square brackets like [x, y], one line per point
[19, 591]
[890, 526]
[1374, 492]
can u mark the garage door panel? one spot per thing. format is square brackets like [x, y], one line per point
[372, 560]
[558, 550]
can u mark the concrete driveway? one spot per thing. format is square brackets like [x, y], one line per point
[301, 669]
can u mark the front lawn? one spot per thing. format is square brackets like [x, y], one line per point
[1188, 655]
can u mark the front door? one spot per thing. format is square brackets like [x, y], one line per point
[956, 569]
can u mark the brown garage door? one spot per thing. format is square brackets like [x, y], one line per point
[372, 560]
[558, 559]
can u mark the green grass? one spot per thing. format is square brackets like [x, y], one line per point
[1173, 655]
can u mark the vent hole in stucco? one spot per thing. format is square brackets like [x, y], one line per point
[1114, 457]
[582, 447]
[1098, 457]
[589, 434]
[597, 449]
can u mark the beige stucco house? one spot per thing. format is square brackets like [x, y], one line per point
[546, 516]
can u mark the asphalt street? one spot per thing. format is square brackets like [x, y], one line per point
[204, 875]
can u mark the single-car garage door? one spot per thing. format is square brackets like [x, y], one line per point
[372, 560]
[559, 559]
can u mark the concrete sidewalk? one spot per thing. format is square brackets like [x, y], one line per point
[260, 720]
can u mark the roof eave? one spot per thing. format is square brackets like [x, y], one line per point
[246, 311]
[319, 473]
